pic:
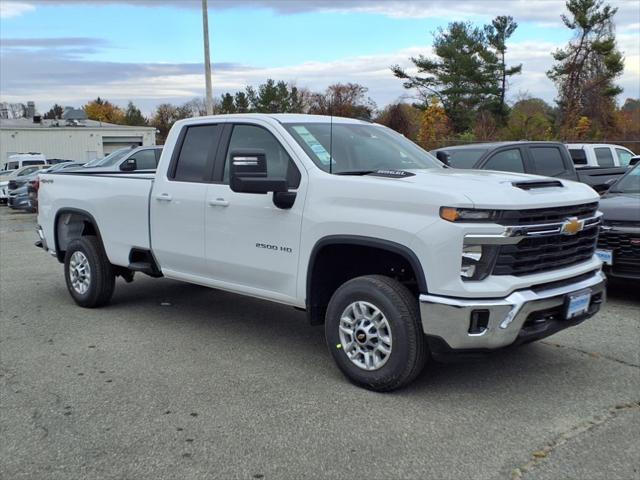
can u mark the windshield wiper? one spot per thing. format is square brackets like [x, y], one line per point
[355, 172]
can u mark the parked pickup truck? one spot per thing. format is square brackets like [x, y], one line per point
[539, 158]
[398, 255]
[600, 155]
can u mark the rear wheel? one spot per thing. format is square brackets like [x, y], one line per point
[374, 333]
[89, 275]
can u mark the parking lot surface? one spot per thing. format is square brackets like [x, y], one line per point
[175, 381]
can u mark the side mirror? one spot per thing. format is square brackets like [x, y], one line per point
[129, 165]
[443, 157]
[248, 173]
[634, 160]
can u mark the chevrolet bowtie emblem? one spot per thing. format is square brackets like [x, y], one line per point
[571, 226]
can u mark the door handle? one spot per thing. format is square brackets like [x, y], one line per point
[164, 197]
[218, 202]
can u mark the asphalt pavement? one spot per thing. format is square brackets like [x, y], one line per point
[175, 381]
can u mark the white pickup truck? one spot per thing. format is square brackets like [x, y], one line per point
[401, 257]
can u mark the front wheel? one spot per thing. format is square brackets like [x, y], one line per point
[88, 273]
[374, 333]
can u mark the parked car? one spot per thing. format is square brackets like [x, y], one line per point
[399, 257]
[34, 185]
[128, 160]
[16, 174]
[20, 199]
[550, 159]
[20, 160]
[599, 155]
[619, 240]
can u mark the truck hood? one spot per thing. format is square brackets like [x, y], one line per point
[621, 207]
[490, 189]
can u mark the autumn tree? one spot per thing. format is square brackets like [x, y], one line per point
[104, 111]
[403, 118]
[497, 33]
[343, 100]
[435, 126]
[54, 112]
[165, 116]
[586, 68]
[530, 119]
[462, 76]
[133, 116]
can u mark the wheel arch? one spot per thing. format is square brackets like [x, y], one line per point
[83, 223]
[316, 306]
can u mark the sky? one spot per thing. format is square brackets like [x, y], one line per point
[151, 51]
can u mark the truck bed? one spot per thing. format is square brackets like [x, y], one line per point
[600, 178]
[120, 201]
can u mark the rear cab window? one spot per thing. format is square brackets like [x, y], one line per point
[198, 146]
[579, 156]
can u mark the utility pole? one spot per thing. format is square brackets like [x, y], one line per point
[207, 62]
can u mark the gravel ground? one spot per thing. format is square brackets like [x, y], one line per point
[175, 381]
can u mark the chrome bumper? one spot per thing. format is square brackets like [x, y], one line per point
[450, 318]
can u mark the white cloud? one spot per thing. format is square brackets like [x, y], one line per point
[149, 85]
[14, 9]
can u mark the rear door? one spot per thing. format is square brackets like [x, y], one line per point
[252, 245]
[177, 203]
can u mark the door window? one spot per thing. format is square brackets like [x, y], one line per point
[198, 146]
[604, 156]
[145, 160]
[279, 164]
[578, 155]
[547, 161]
[506, 161]
[624, 157]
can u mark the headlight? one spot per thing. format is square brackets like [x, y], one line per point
[477, 261]
[452, 214]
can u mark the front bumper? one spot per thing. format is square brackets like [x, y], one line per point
[524, 315]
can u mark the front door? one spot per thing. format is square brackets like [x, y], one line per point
[178, 203]
[252, 245]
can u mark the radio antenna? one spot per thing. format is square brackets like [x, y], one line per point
[331, 134]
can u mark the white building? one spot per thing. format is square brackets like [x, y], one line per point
[79, 140]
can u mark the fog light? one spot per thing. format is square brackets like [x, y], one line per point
[479, 322]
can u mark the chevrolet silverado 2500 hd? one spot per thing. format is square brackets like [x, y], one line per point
[398, 255]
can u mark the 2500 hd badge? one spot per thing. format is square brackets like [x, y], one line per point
[274, 248]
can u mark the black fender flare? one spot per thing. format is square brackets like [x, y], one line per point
[75, 211]
[397, 248]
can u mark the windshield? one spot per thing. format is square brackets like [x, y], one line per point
[109, 160]
[465, 157]
[630, 183]
[359, 148]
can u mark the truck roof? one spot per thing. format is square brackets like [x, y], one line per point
[284, 118]
[492, 145]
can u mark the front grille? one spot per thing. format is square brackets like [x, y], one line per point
[547, 215]
[542, 253]
[625, 248]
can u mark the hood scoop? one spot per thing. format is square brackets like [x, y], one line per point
[535, 184]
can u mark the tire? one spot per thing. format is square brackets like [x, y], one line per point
[402, 333]
[86, 255]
